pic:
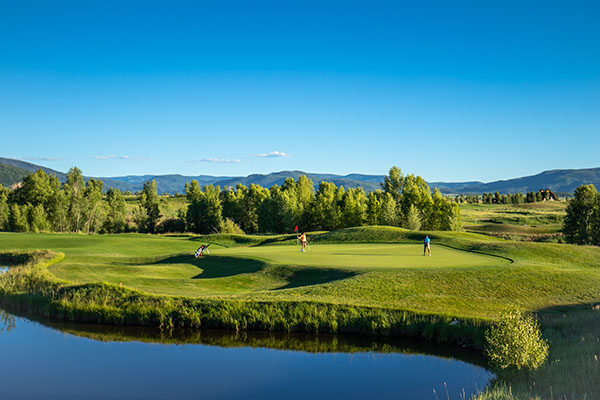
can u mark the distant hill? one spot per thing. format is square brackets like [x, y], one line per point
[10, 166]
[9, 174]
[559, 181]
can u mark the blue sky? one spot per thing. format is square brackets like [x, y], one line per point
[449, 90]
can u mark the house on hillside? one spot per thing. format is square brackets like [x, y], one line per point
[548, 195]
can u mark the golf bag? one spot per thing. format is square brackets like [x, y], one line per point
[202, 250]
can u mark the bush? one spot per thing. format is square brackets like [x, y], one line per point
[229, 226]
[516, 341]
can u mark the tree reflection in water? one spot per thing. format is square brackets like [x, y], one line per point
[7, 321]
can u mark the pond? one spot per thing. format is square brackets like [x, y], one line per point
[72, 361]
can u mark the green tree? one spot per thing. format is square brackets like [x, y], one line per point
[373, 208]
[36, 189]
[93, 215]
[149, 207]
[393, 183]
[205, 212]
[416, 192]
[413, 218]
[305, 195]
[581, 214]
[115, 217]
[389, 211]
[278, 213]
[36, 218]
[249, 200]
[74, 190]
[326, 213]
[354, 207]
[17, 218]
[3, 208]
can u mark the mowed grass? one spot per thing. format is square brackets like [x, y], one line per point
[166, 265]
[468, 275]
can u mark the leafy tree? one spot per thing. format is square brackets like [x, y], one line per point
[278, 212]
[305, 195]
[373, 208]
[149, 202]
[230, 203]
[582, 211]
[416, 192]
[94, 206]
[74, 189]
[3, 208]
[115, 218]
[393, 183]
[326, 213]
[354, 207]
[36, 189]
[389, 211]
[249, 201]
[36, 218]
[205, 211]
[17, 218]
[58, 209]
[413, 219]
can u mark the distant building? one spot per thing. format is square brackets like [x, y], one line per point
[548, 195]
[16, 186]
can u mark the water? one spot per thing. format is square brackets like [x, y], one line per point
[3, 270]
[60, 361]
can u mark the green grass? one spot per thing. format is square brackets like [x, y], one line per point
[366, 279]
[529, 222]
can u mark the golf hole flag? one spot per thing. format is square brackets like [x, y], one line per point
[296, 228]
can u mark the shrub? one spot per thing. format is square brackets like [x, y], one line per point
[516, 341]
[229, 226]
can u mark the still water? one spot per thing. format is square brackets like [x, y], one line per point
[43, 360]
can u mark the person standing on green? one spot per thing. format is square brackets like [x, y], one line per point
[427, 248]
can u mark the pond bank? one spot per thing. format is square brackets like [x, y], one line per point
[30, 288]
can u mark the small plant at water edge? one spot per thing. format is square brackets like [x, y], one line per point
[516, 341]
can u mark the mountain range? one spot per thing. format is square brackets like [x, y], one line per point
[559, 181]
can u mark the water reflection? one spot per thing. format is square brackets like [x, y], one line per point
[7, 321]
[152, 364]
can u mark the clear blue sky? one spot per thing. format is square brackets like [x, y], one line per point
[449, 90]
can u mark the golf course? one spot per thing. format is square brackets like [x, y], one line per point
[369, 280]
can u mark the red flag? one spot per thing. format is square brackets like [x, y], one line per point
[296, 228]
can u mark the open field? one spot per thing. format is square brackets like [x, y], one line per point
[469, 277]
[540, 222]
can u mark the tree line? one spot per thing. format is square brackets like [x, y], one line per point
[42, 203]
[506, 198]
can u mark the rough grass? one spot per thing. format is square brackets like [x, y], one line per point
[539, 222]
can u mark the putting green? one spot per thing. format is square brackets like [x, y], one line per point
[166, 265]
[366, 256]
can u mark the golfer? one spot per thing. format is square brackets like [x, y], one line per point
[427, 248]
[303, 240]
